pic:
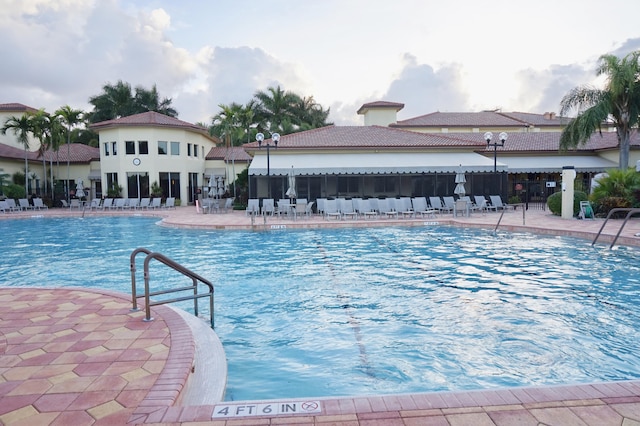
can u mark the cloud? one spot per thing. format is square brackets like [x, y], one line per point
[420, 87]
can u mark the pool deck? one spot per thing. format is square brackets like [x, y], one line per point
[81, 357]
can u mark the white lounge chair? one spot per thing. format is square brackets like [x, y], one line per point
[331, 209]
[308, 211]
[404, 207]
[134, 203]
[320, 202]
[106, 204]
[496, 203]
[387, 207]
[437, 204]
[366, 209]
[39, 204]
[420, 207]
[253, 207]
[449, 203]
[4, 207]
[75, 204]
[24, 204]
[119, 204]
[284, 206]
[228, 204]
[156, 203]
[346, 209]
[95, 204]
[11, 205]
[144, 203]
[268, 207]
[170, 203]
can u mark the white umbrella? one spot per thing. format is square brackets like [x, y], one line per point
[211, 188]
[291, 192]
[460, 181]
[80, 189]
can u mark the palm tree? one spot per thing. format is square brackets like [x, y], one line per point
[71, 117]
[40, 125]
[149, 100]
[115, 101]
[618, 103]
[21, 127]
[276, 109]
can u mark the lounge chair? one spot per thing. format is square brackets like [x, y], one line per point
[437, 204]
[170, 203]
[253, 207]
[119, 204]
[95, 204]
[449, 203]
[11, 205]
[331, 209]
[268, 207]
[156, 203]
[134, 203]
[308, 211]
[284, 206]
[481, 203]
[496, 203]
[421, 208]
[586, 210]
[39, 204]
[24, 204]
[106, 204]
[404, 207]
[366, 210]
[346, 209]
[75, 204]
[228, 204]
[387, 207]
[144, 203]
[320, 204]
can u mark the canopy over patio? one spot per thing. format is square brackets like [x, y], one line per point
[372, 163]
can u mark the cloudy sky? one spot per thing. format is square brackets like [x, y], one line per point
[458, 55]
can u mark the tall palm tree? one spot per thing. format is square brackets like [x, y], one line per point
[40, 125]
[116, 100]
[70, 117]
[21, 127]
[149, 100]
[618, 103]
[276, 109]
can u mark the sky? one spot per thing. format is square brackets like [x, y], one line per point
[453, 56]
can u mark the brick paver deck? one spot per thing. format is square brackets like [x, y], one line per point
[80, 357]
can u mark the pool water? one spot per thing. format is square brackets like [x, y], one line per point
[370, 310]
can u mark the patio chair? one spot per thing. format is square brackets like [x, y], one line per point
[24, 204]
[449, 203]
[39, 204]
[75, 204]
[366, 210]
[95, 204]
[284, 206]
[156, 203]
[420, 207]
[268, 207]
[228, 204]
[134, 203]
[144, 203]
[253, 207]
[3, 206]
[437, 204]
[481, 203]
[586, 210]
[106, 204]
[11, 205]
[320, 205]
[496, 203]
[387, 207]
[331, 209]
[404, 207]
[346, 209]
[170, 203]
[308, 211]
[119, 204]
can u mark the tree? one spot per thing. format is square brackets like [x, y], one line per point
[40, 125]
[276, 109]
[618, 103]
[119, 100]
[21, 127]
[70, 117]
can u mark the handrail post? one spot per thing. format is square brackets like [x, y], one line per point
[195, 298]
[147, 304]
[631, 212]
[132, 267]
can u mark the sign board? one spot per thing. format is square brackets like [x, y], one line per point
[276, 408]
[551, 184]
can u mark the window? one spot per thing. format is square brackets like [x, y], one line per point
[114, 146]
[162, 148]
[188, 150]
[143, 147]
[130, 147]
[112, 181]
[384, 184]
[195, 151]
[348, 184]
[175, 148]
[106, 149]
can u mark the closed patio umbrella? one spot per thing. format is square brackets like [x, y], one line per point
[460, 181]
[80, 189]
[291, 192]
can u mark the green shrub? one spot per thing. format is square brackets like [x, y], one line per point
[14, 191]
[554, 202]
[605, 204]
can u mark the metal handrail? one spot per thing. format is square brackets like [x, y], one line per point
[132, 267]
[177, 267]
[631, 212]
[514, 206]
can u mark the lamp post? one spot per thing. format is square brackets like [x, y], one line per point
[503, 137]
[275, 137]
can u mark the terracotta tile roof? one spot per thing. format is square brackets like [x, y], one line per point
[78, 153]
[481, 119]
[150, 119]
[354, 137]
[235, 153]
[16, 107]
[380, 104]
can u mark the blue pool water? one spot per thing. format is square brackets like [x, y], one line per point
[370, 311]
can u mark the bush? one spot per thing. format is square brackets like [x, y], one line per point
[13, 191]
[606, 204]
[554, 202]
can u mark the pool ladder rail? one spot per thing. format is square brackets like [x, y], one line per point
[177, 267]
[630, 212]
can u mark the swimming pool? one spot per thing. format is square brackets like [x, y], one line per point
[371, 311]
